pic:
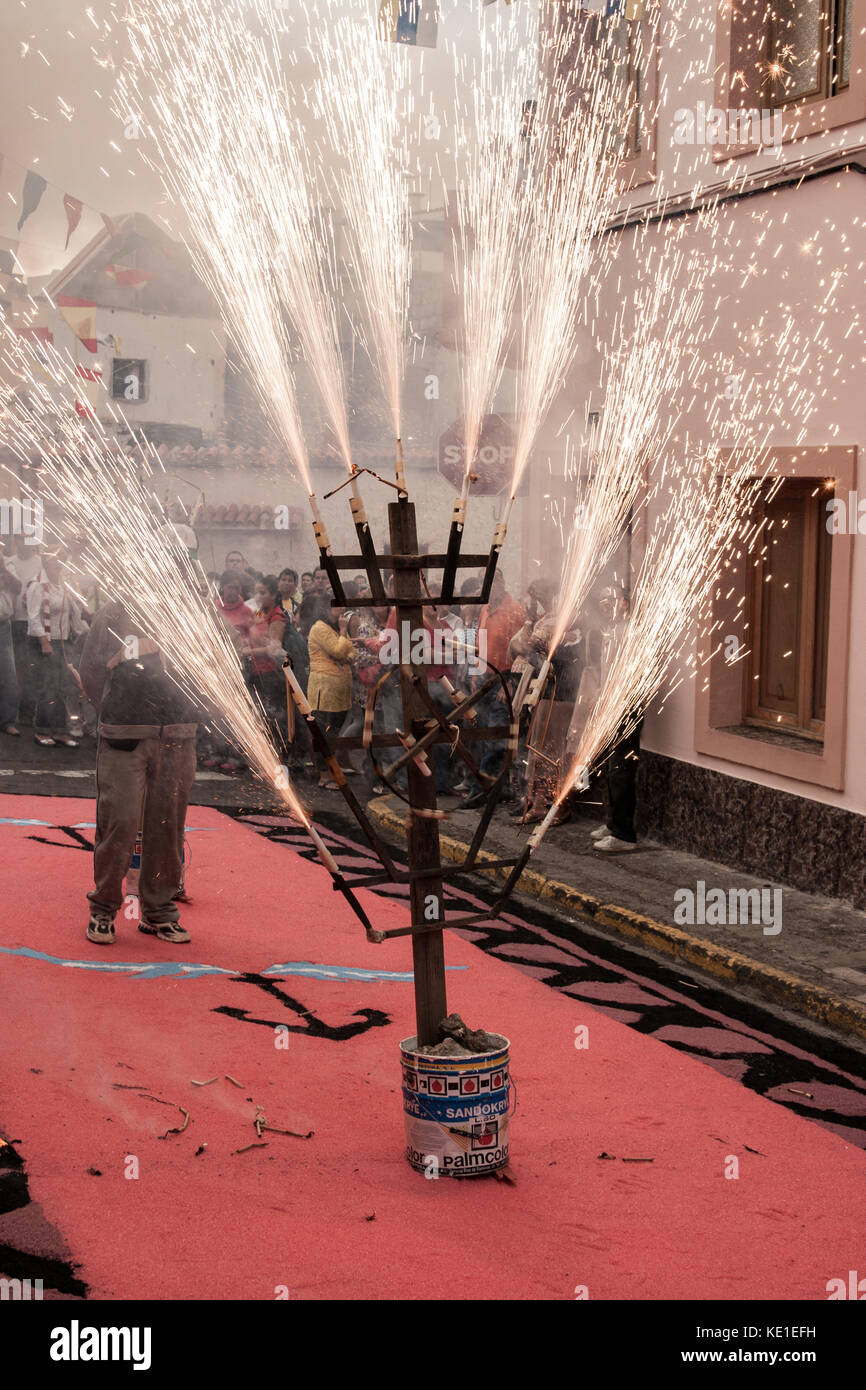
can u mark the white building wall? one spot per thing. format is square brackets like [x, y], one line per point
[185, 362]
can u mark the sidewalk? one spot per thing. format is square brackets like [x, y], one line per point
[815, 965]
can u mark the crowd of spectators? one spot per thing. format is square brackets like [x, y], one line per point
[338, 655]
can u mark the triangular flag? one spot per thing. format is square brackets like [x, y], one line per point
[127, 275]
[36, 334]
[34, 187]
[92, 376]
[8, 259]
[72, 207]
[80, 314]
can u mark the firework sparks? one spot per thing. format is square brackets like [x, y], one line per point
[260, 238]
[109, 496]
[362, 100]
[644, 369]
[571, 187]
[492, 136]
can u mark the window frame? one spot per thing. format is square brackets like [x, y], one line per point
[719, 698]
[802, 116]
[144, 363]
[803, 722]
[641, 167]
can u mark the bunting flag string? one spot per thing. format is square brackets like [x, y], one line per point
[92, 380]
[80, 314]
[73, 208]
[34, 186]
[128, 276]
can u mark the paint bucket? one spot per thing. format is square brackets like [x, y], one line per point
[456, 1110]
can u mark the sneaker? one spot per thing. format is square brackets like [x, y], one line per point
[100, 928]
[172, 932]
[44, 740]
[65, 740]
[611, 845]
[11, 729]
[599, 832]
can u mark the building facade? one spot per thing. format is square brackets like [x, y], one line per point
[760, 762]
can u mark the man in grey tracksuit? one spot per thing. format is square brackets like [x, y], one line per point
[145, 767]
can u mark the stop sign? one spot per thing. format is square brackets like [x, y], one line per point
[494, 458]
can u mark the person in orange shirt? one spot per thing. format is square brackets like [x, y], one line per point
[500, 619]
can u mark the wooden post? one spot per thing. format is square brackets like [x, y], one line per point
[423, 832]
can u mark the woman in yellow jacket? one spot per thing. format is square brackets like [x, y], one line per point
[332, 652]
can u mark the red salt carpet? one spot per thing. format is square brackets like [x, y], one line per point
[341, 1215]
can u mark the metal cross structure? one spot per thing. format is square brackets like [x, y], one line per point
[424, 726]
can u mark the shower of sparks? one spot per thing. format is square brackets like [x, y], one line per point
[362, 100]
[708, 515]
[207, 80]
[108, 497]
[570, 190]
[644, 368]
[705, 525]
[492, 139]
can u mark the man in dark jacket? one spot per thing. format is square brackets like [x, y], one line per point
[145, 767]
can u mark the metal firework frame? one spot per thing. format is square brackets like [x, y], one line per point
[424, 727]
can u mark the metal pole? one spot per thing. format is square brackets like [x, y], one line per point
[425, 894]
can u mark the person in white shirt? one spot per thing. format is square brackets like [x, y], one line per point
[10, 587]
[25, 562]
[53, 616]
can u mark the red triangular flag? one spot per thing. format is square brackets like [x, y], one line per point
[128, 275]
[72, 207]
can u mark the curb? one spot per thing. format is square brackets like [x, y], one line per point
[814, 1001]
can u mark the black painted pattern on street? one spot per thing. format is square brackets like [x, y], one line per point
[819, 1078]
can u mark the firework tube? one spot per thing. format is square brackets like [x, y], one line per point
[282, 783]
[541, 830]
[325, 559]
[534, 693]
[298, 695]
[522, 686]
[580, 783]
[320, 741]
[458, 697]
[368, 550]
[420, 762]
[455, 536]
[499, 534]
[333, 868]
[322, 539]
[356, 504]
[400, 469]
[325, 854]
